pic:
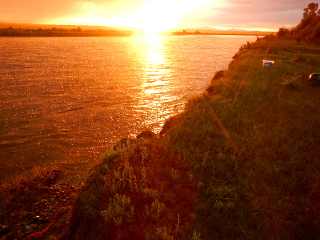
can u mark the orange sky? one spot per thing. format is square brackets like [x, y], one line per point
[158, 14]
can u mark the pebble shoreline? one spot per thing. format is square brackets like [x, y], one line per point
[20, 221]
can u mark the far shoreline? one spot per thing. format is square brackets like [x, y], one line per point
[44, 30]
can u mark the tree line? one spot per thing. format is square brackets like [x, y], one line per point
[61, 32]
[309, 27]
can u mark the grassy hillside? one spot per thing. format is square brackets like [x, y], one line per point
[252, 143]
[241, 162]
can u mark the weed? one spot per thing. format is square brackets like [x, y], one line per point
[150, 193]
[162, 234]
[155, 210]
[174, 174]
[196, 235]
[119, 210]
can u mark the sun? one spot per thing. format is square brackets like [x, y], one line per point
[153, 16]
[156, 16]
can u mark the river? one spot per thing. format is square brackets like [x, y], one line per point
[66, 101]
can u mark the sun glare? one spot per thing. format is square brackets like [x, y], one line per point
[157, 16]
[154, 16]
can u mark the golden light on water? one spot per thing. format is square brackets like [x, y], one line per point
[155, 89]
[156, 62]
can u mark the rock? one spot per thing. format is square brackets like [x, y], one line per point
[3, 229]
[25, 213]
[314, 79]
[210, 90]
[218, 75]
[33, 226]
[28, 228]
[146, 134]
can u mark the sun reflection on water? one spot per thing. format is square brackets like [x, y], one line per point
[155, 87]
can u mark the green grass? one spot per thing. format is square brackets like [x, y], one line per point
[253, 144]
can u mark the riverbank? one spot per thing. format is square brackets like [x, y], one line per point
[240, 162]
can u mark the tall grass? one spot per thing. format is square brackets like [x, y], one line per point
[252, 142]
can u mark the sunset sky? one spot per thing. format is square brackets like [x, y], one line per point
[158, 14]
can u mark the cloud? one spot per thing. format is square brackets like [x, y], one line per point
[252, 14]
[43, 11]
[264, 6]
[33, 10]
[216, 13]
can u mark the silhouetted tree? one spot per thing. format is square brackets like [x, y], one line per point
[309, 27]
[283, 32]
[311, 10]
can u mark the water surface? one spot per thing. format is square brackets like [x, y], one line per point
[65, 101]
